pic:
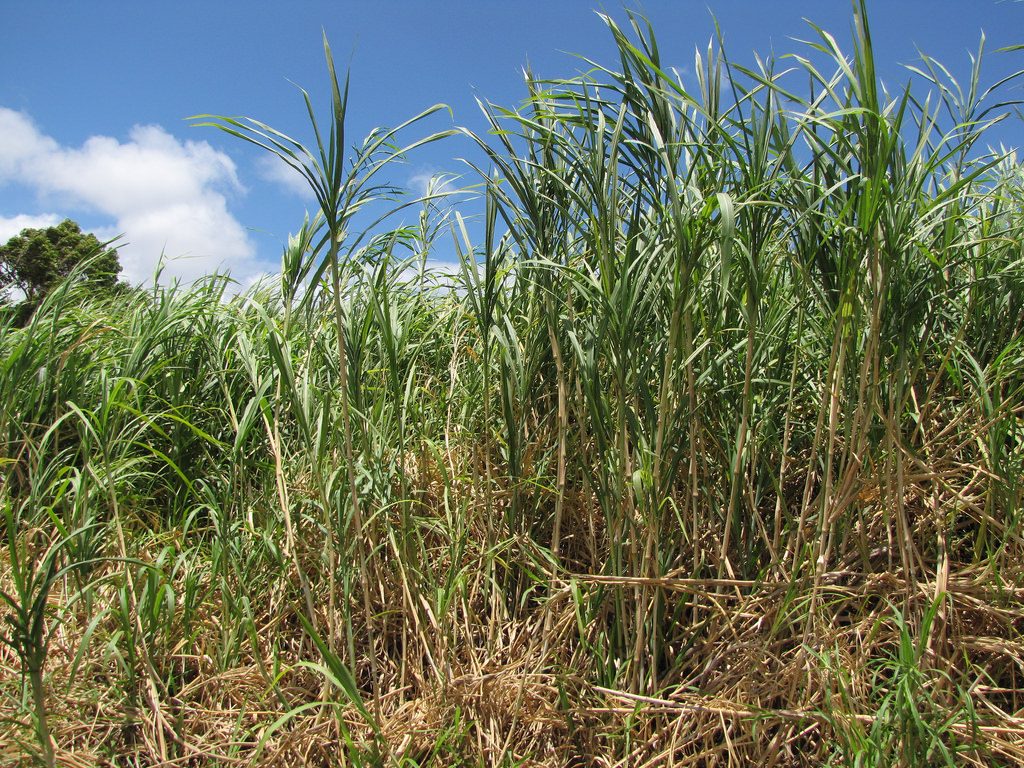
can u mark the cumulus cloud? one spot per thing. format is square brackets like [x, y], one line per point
[164, 195]
[274, 169]
[11, 226]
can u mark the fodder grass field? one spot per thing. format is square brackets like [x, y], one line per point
[709, 452]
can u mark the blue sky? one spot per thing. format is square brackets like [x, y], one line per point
[94, 96]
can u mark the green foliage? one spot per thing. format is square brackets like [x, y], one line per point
[35, 260]
[918, 716]
[725, 374]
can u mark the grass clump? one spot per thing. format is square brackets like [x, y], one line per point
[708, 453]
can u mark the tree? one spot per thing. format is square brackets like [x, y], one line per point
[37, 259]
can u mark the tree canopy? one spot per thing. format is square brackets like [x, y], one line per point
[35, 260]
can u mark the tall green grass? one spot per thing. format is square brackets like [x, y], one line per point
[708, 452]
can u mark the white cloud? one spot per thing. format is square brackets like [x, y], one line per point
[165, 195]
[422, 184]
[273, 168]
[21, 141]
[11, 226]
